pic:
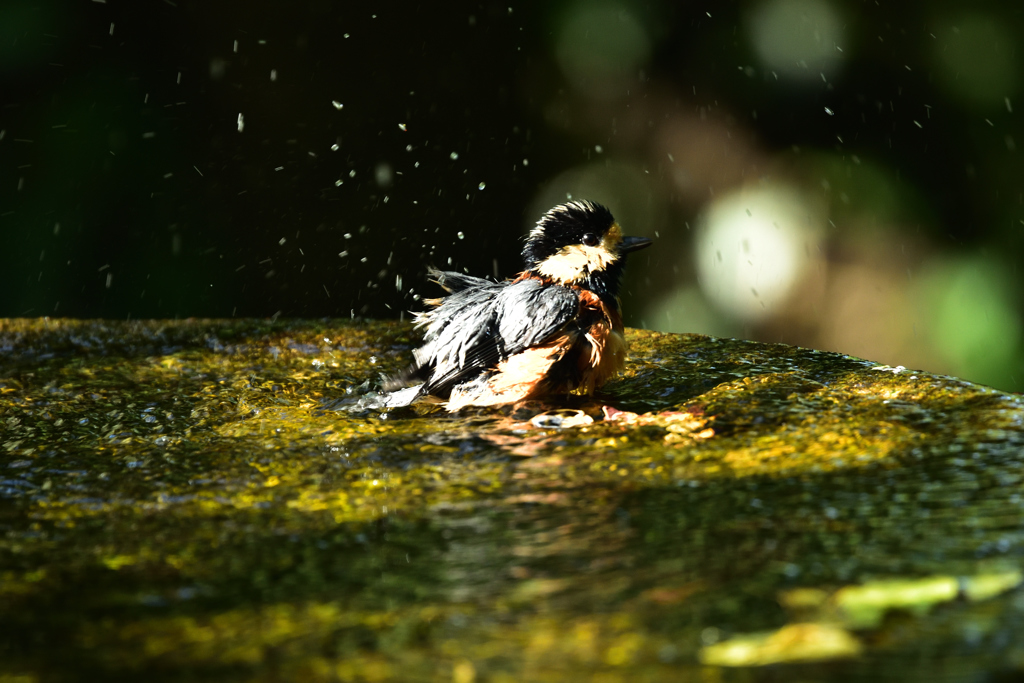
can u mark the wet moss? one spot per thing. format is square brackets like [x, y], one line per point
[193, 499]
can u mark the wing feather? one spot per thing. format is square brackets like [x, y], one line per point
[484, 323]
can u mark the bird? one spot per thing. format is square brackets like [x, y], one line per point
[554, 329]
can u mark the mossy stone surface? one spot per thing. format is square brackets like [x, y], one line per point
[192, 500]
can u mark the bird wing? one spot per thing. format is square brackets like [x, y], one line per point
[475, 328]
[530, 311]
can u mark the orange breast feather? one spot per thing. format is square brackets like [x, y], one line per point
[606, 355]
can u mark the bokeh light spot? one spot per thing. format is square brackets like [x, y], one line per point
[686, 310]
[600, 48]
[975, 58]
[752, 247]
[797, 38]
[974, 320]
[21, 24]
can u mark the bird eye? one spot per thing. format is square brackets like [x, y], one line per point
[590, 239]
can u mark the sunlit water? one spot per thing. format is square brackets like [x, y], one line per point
[184, 500]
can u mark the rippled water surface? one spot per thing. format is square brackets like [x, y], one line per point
[194, 500]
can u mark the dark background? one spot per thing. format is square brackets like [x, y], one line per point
[128, 189]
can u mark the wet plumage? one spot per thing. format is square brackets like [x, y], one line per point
[554, 329]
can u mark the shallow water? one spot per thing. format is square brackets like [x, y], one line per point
[192, 500]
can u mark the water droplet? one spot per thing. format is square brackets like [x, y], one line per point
[461, 235]
[454, 156]
[481, 186]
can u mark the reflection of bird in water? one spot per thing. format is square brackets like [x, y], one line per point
[555, 329]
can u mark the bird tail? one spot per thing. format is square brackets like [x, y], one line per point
[453, 282]
[400, 398]
[408, 377]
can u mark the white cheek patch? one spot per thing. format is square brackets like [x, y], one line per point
[576, 261]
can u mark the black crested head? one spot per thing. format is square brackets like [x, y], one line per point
[580, 244]
[563, 225]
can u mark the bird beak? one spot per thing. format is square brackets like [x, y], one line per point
[634, 244]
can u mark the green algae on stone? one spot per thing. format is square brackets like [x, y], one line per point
[186, 499]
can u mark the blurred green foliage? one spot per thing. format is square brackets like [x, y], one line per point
[250, 159]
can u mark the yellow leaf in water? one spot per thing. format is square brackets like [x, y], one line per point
[864, 606]
[985, 586]
[792, 643]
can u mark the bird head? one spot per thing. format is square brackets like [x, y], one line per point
[580, 244]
